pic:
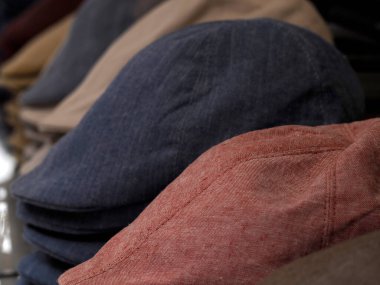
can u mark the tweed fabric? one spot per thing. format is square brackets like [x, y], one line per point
[350, 263]
[182, 13]
[92, 32]
[19, 72]
[39, 16]
[155, 123]
[248, 206]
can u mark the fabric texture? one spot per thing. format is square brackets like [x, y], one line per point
[155, 123]
[351, 263]
[23, 68]
[91, 34]
[80, 223]
[65, 247]
[247, 207]
[39, 16]
[40, 269]
[182, 13]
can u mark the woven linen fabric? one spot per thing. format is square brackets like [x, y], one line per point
[98, 23]
[351, 263]
[184, 94]
[39, 16]
[182, 13]
[248, 206]
[40, 269]
[19, 72]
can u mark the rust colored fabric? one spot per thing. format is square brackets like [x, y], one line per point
[248, 206]
[353, 262]
[31, 22]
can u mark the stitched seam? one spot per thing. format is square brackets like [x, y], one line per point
[329, 209]
[333, 201]
[349, 132]
[326, 213]
[240, 161]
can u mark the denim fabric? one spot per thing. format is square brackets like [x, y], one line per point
[40, 269]
[105, 221]
[66, 248]
[184, 94]
[92, 32]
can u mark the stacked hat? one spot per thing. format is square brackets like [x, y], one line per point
[250, 205]
[67, 114]
[177, 98]
[91, 33]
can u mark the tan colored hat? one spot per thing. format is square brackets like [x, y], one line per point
[36, 159]
[22, 70]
